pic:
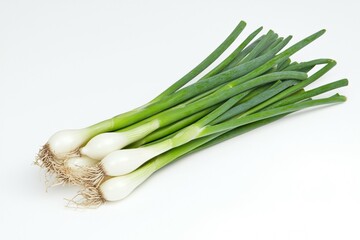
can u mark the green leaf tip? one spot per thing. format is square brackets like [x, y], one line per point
[339, 98]
[332, 61]
[320, 33]
[345, 81]
[288, 38]
[328, 60]
[316, 35]
[242, 23]
[342, 98]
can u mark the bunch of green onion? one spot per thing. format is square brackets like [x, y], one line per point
[255, 85]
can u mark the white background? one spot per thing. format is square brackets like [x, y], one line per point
[68, 64]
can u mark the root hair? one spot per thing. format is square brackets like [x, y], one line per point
[91, 176]
[89, 197]
[46, 159]
[54, 165]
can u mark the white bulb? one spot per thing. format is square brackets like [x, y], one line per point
[77, 163]
[66, 141]
[102, 144]
[124, 161]
[105, 143]
[117, 188]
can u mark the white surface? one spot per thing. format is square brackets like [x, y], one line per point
[67, 64]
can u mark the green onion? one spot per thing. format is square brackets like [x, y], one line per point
[256, 84]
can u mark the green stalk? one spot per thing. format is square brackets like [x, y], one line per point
[274, 44]
[310, 93]
[231, 124]
[267, 94]
[227, 92]
[250, 69]
[256, 91]
[238, 51]
[204, 64]
[294, 98]
[220, 110]
[276, 68]
[181, 111]
[184, 122]
[269, 38]
[307, 66]
[223, 77]
[247, 77]
[205, 142]
[213, 139]
[280, 57]
[244, 53]
[221, 137]
[170, 129]
[330, 64]
[283, 65]
[190, 132]
[304, 65]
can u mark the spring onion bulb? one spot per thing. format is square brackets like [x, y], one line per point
[105, 143]
[65, 144]
[115, 189]
[76, 163]
[72, 170]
